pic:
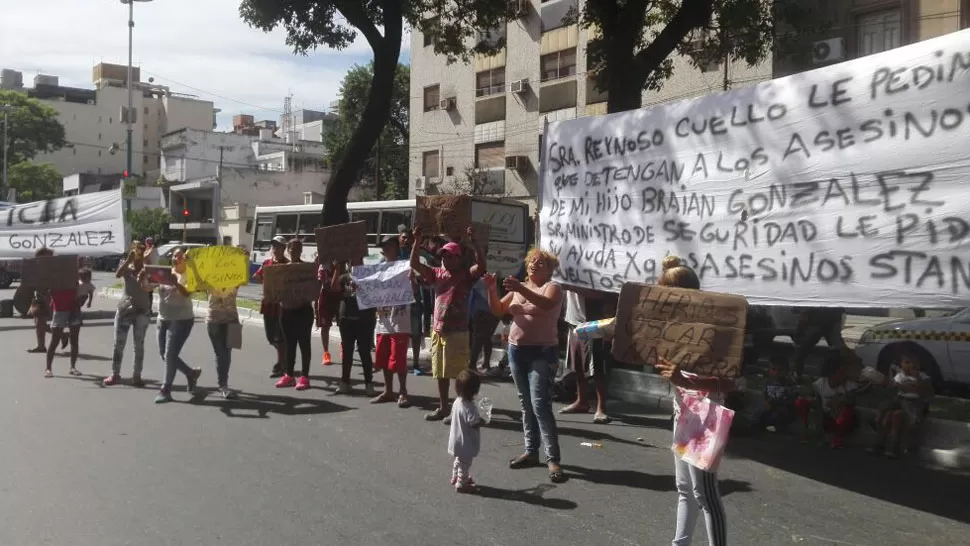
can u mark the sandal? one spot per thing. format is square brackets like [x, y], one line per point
[382, 398]
[403, 402]
[48, 374]
[75, 372]
[573, 408]
[437, 415]
[526, 460]
[555, 473]
[602, 419]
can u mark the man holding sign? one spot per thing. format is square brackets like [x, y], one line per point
[452, 284]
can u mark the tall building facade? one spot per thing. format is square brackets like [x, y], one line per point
[94, 130]
[482, 120]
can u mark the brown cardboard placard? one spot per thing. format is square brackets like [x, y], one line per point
[343, 242]
[290, 283]
[58, 272]
[448, 215]
[702, 331]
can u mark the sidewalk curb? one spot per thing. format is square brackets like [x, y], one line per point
[946, 443]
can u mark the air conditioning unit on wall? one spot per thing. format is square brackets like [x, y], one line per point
[828, 51]
[515, 162]
[420, 184]
[519, 86]
[447, 104]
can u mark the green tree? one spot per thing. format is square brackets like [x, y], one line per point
[637, 38]
[143, 223]
[391, 151]
[34, 182]
[336, 23]
[34, 128]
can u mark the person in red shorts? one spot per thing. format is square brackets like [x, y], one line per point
[270, 310]
[393, 338]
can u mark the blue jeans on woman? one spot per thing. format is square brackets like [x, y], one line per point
[219, 336]
[172, 335]
[533, 369]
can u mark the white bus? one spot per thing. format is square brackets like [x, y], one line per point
[510, 233]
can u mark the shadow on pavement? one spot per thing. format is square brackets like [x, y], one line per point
[259, 406]
[515, 424]
[901, 482]
[643, 480]
[529, 496]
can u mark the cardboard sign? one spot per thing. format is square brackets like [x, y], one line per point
[701, 331]
[290, 283]
[159, 274]
[448, 215]
[222, 267]
[57, 272]
[343, 242]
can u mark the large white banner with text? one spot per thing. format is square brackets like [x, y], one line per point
[90, 224]
[843, 186]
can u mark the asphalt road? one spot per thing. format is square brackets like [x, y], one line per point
[86, 465]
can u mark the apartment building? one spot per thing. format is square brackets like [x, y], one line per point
[484, 118]
[93, 124]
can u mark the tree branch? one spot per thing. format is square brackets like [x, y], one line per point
[354, 13]
[692, 14]
[401, 127]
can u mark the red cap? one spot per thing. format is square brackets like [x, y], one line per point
[451, 248]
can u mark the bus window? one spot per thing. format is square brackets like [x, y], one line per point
[264, 234]
[371, 218]
[391, 219]
[286, 225]
[309, 222]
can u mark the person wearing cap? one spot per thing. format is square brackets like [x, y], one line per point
[393, 337]
[271, 310]
[452, 285]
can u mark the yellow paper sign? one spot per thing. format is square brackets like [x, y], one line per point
[216, 267]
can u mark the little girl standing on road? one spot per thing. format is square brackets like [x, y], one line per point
[465, 439]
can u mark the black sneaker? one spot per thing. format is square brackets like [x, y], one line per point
[192, 380]
[277, 372]
[228, 393]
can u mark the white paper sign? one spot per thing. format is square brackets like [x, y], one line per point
[90, 224]
[383, 285]
[844, 186]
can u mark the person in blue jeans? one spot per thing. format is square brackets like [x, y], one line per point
[223, 317]
[133, 314]
[535, 306]
[176, 317]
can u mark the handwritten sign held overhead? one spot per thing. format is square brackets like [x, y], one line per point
[836, 187]
[290, 283]
[448, 215]
[221, 267]
[702, 331]
[383, 285]
[343, 242]
[58, 272]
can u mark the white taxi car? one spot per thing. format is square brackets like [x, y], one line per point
[941, 343]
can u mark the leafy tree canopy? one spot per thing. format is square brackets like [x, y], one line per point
[34, 182]
[33, 129]
[144, 223]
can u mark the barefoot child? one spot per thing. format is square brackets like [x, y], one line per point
[465, 439]
[393, 338]
[899, 420]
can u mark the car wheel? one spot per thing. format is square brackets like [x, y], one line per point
[889, 361]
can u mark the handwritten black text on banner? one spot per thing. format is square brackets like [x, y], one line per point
[91, 224]
[840, 186]
[383, 285]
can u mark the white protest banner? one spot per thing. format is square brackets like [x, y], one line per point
[843, 186]
[383, 285]
[90, 224]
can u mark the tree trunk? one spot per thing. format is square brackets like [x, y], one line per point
[626, 86]
[372, 121]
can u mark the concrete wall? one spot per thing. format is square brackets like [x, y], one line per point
[194, 153]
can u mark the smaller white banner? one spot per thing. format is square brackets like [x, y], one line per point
[90, 224]
[383, 285]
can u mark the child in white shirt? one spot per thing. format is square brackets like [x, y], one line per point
[464, 442]
[898, 420]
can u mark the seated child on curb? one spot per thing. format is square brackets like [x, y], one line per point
[464, 442]
[780, 394]
[834, 395]
[901, 418]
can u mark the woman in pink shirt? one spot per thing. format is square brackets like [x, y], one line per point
[535, 306]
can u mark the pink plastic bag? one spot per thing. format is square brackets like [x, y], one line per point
[701, 432]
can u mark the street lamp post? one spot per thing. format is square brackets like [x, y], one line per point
[130, 115]
[6, 121]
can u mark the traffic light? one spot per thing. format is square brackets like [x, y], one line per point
[124, 174]
[185, 212]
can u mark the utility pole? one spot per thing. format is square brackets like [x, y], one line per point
[6, 147]
[726, 84]
[217, 198]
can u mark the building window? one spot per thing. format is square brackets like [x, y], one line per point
[449, 171]
[146, 110]
[429, 39]
[99, 136]
[99, 153]
[144, 160]
[490, 155]
[490, 82]
[144, 143]
[429, 164]
[110, 120]
[558, 64]
[879, 31]
[432, 94]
